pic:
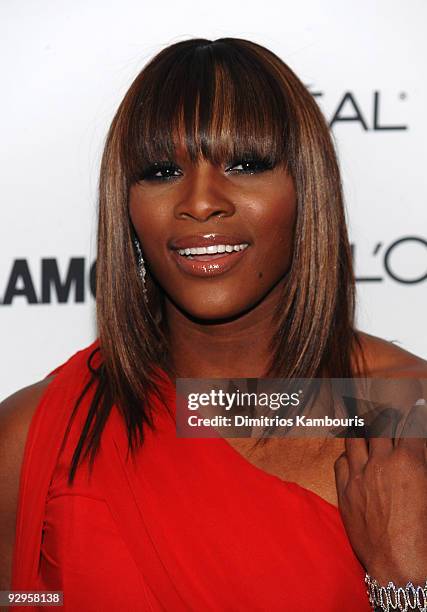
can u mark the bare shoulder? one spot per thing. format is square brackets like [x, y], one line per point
[16, 412]
[20, 406]
[385, 358]
[398, 377]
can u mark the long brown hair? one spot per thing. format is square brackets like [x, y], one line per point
[223, 98]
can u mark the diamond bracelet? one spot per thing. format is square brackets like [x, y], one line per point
[391, 597]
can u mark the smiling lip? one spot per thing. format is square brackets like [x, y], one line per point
[205, 240]
[207, 265]
[208, 268]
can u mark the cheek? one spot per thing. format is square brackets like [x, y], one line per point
[154, 249]
[274, 230]
[150, 223]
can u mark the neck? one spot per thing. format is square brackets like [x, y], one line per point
[235, 348]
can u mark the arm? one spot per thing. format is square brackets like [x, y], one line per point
[382, 495]
[16, 412]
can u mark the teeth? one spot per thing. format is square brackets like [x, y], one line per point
[213, 249]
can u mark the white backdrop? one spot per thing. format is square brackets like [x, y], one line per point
[65, 66]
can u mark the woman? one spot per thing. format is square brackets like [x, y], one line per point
[216, 144]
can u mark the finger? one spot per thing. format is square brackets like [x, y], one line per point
[413, 433]
[357, 454]
[342, 472]
[380, 447]
[415, 446]
[414, 423]
[384, 421]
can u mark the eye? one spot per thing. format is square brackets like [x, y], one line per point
[160, 171]
[250, 166]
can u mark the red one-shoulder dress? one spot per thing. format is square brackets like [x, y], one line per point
[188, 525]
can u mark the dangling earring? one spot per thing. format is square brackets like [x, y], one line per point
[141, 267]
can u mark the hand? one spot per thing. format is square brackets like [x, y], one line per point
[382, 497]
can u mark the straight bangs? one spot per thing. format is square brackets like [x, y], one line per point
[217, 101]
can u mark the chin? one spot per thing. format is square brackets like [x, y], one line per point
[213, 310]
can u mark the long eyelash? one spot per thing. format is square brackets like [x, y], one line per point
[150, 170]
[266, 162]
[262, 163]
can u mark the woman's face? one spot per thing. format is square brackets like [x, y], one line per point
[184, 205]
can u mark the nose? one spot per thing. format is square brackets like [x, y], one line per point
[204, 195]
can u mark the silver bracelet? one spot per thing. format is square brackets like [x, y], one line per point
[391, 597]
